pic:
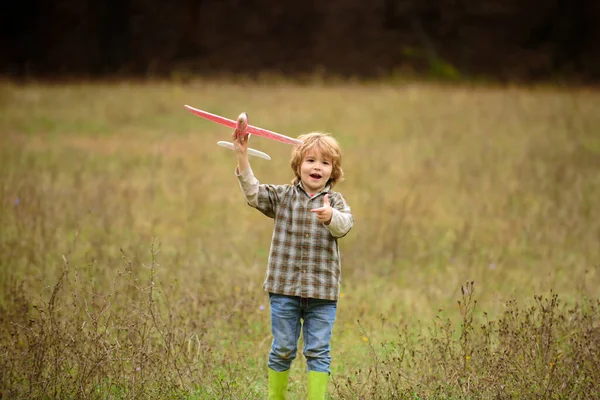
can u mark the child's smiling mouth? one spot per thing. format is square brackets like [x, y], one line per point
[315, 176]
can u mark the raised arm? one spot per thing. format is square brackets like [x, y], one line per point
[240, 143]
[248, 183]
[262, 197]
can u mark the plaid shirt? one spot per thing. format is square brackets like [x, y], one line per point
[304, 259]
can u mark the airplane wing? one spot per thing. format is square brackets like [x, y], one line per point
[251, 129]
[251, 152]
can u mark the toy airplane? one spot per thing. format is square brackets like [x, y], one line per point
[242, 127]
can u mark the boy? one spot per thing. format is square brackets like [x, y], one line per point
[303, 274]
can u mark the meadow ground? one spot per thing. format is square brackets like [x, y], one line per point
[131, 267]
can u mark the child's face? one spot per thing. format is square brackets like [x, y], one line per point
[315, 170]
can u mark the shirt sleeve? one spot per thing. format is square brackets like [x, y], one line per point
[264, 198]
[341, 218]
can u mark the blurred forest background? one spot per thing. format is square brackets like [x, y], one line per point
[506, 40]
[130, 266]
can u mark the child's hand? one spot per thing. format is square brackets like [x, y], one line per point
[324, 213]
[240, 141]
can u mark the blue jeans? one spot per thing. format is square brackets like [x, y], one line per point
[318, 317]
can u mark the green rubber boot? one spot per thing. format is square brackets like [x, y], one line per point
[317, 385]
[278, 382]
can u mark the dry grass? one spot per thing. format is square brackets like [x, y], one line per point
[131, 267]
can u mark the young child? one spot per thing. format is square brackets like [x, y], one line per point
[303, 275]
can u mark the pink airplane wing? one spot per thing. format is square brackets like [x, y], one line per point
[251, 129]
[272, 135]
[213, 117]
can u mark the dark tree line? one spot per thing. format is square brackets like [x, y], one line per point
[506, 39]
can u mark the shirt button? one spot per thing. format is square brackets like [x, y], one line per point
[307, 235]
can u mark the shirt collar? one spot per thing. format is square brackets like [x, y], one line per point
[325, 190]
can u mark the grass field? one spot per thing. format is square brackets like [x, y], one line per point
[131, 267]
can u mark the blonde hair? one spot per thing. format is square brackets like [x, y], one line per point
[327, 145]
